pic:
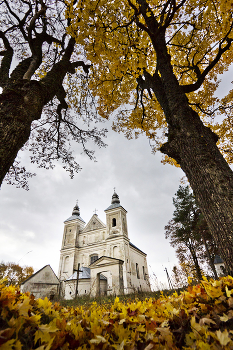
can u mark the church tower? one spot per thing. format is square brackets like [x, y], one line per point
[69, 249]
[116, 218]
[117, 236]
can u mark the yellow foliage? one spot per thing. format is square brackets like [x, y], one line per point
[114, 35]
[197, 318]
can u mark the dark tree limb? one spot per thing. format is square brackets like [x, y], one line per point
[6, 61]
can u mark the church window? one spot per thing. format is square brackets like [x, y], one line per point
[113, 222]
[93, 258]
[137, 271]
[66, 263]
[124, 225]
[115, 252]
[143, 272]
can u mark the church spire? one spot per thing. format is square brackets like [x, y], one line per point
[115, 198]
[76, 210]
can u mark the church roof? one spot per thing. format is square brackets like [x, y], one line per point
[218, 260]
[74, 217]
[115, 203]
[83, 273]
[134, 246]
[113, 206]
[75, 214]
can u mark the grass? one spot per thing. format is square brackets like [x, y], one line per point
[86, 300]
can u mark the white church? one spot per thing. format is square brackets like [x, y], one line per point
[102, 254]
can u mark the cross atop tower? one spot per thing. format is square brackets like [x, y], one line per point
[95, 211]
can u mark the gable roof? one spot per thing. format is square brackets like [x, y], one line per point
[109, 260]
[94, 224]
[34, 274]
[218, 260]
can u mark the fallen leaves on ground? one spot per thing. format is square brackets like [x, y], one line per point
[199, 318]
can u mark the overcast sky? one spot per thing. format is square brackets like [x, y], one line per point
[31, 222]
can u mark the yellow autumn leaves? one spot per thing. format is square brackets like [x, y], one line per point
[116, 40]
[199, 318]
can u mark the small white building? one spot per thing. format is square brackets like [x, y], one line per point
[219, 266]
[109, 262]
[43, 283]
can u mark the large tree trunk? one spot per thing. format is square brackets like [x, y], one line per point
[20, 104]
[193, 146]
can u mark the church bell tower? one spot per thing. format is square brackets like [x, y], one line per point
[116, 218]
[69, 249]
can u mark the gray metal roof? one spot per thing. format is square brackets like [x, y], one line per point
[74, 217]
[218, 260]
[85, 273]
[134, 246]
[113, 206]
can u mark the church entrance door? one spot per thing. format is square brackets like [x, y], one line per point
[112, 269]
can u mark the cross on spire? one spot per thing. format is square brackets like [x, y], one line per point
[95, 211]
[77, 202]
[114, 189]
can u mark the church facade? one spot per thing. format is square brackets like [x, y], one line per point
[102, 255]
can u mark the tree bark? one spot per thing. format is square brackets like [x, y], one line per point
[193, 146]
[20, 104]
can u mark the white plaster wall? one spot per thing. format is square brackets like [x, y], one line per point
[43, 284]
[84, 288]
[219, 270]
[139, 258]
[70, 287]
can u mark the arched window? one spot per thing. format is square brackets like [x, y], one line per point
[143, 272]
[137, 271]
[93, 258]
[66, 264]
[115, 252]
[113, 222]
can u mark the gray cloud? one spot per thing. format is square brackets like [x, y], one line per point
[33, 220]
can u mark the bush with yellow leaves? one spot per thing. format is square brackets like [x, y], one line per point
[199, 318]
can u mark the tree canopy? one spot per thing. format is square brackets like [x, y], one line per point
[14, 274]
[119, 41]
[156, 65]
[45, 93]
[189, 235]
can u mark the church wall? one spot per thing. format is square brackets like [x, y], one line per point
[84, 288]
[67, 263]
[114, 274]
[80, 242]
[86, 238]
[137, 262]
